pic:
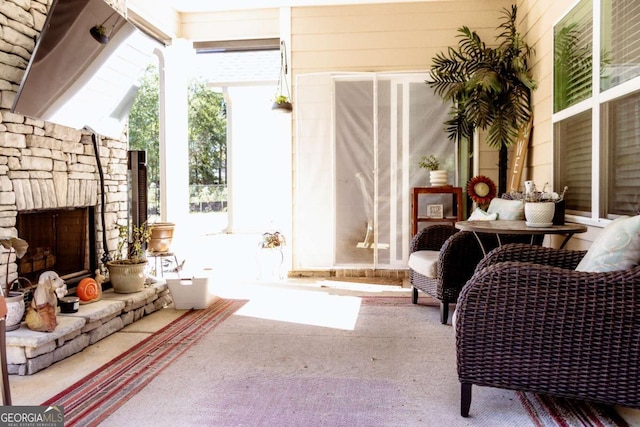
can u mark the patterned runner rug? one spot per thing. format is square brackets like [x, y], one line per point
[93, 399]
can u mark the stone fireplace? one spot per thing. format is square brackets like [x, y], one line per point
[51, 195]
[63, 190]
[45, 167]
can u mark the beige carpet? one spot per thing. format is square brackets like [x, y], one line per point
[303, 358]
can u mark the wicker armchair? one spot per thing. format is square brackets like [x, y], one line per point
[528, 321]
[459, 255]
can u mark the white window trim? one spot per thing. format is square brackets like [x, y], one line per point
[594, 103]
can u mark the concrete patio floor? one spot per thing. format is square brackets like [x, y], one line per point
[235, 273]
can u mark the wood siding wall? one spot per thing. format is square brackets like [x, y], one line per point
[537, 20]
[232, 25]
[383, 37]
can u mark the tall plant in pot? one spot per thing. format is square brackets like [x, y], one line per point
[489, 87]
[127, 270]
[14, 299]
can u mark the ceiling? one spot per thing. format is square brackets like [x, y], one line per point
[221, 5]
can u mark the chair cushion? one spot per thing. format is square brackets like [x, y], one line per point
[425, 263]
[512, 210]
[616, 248]
[480, 215]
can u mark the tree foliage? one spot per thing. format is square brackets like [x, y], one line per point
[207, 135]
[144, 123]
[207, 130]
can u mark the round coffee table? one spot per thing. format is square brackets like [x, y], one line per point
[499, 227]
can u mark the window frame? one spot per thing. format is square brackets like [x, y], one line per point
[597, 103]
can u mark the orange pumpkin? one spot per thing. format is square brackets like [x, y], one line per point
[87, 289]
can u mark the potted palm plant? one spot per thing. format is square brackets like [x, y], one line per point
[14, 299]
[127, 269]
[490, 88]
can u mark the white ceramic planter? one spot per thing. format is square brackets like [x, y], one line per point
[539, 214]
[15, 310]
[438, 178]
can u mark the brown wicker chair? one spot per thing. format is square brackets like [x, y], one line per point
[528, 321]
[459, 255]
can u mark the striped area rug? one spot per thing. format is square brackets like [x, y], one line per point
[96, 396]
[552, 411]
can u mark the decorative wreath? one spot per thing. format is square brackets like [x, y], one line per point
[481, 189]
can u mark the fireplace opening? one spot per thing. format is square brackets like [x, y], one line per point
[61, 240]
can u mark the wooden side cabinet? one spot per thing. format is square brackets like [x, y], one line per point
[431, 204]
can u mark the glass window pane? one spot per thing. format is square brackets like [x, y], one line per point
[572, 138]
[623, 148]
[573, 60]
[620, 42]
[144, 133]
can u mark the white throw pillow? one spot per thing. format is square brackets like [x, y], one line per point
[480, 215]
[616, 248]
[512, 210]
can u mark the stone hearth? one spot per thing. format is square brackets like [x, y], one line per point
[29, 351]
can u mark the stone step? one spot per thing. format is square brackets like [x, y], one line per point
[30, 351]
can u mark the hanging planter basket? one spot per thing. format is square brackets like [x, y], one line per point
[282, 98]
[284, 106]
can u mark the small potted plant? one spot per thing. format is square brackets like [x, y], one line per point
[272, 240]
[272, 258]
[540, 206]
[437, 176]
[99, 33]
[127, 270]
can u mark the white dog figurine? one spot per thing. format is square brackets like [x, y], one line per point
[41, 313]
